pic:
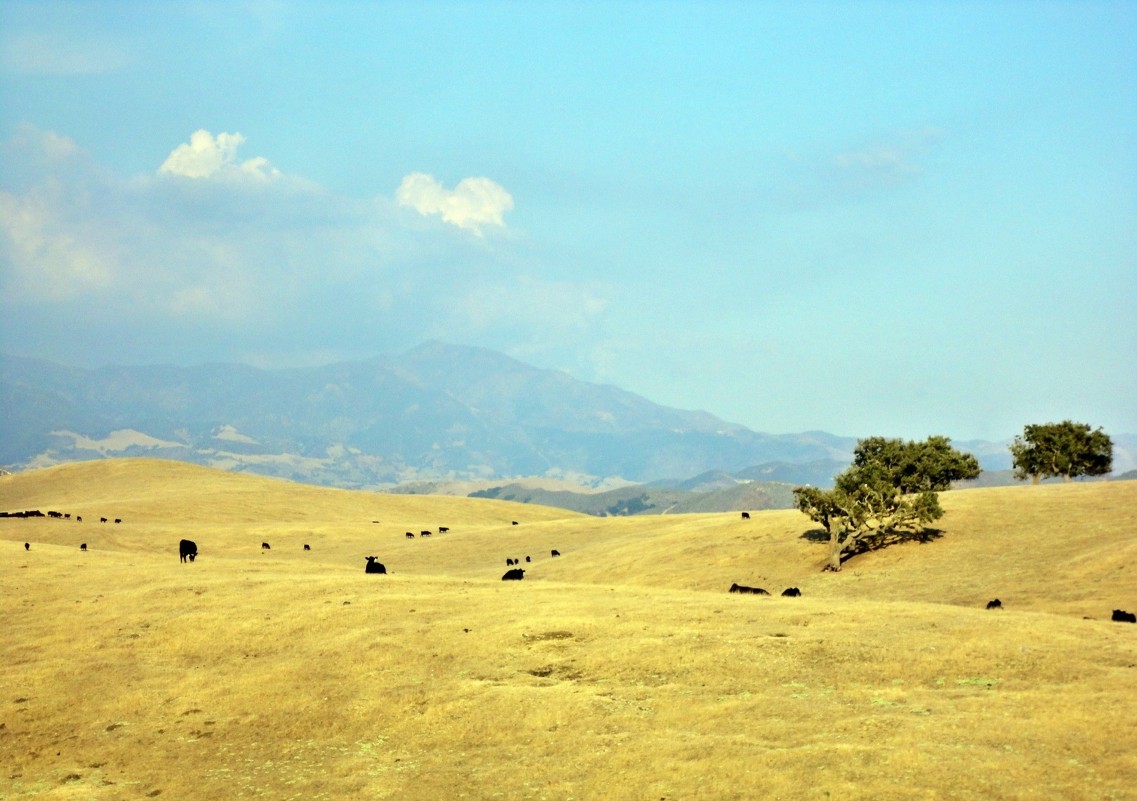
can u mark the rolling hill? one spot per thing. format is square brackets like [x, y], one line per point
[621, 669]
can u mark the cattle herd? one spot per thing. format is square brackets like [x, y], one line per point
[187, 550]
[788, 592]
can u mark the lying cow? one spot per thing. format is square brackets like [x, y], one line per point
[744, 589]
[374, 566]
[1121, 616]
[514, 575]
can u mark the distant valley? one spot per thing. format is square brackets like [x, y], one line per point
[428, 419]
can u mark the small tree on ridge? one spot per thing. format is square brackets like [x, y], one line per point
[1067, 449]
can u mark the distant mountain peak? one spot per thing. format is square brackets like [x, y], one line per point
[436, 411]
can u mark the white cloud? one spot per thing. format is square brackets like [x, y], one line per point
[281, 266]
[470, 205]
[205, 156]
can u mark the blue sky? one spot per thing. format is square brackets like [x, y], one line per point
[868, 218]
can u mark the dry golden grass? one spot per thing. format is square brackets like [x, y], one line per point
[622, 670]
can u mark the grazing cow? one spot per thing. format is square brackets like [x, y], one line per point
[746, 515]
[102, 520]
[514, 575]
[373, 566]
[410, 535]
[508, 562]
[307, 547]
[1121, 616]
[67, 516]
[78, 519]
[744, 589]
[791, 592]
[555, 553]
[443, 529]
[515, 522]
[265, 546]
[527, 559]
[118, 519]
[995, 604]
[83, 547]
[187, 548]
[27, 546]
[424, 533]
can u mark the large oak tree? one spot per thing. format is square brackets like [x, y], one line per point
[888, 494]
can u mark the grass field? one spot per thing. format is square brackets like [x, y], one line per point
[621, 670]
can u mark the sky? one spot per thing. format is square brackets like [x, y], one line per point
[868, 218]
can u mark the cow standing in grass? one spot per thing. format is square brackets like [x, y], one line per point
[187, 548]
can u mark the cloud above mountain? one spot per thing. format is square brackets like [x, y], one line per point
[472, 204]
[213, 244]
[205, 156]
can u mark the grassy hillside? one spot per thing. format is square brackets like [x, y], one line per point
[621, 670]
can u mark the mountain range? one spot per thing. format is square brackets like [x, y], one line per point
[435, 413]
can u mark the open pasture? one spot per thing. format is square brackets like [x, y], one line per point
[621, 670]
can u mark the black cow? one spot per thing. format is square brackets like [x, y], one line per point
[83, 547]
[118, 519]
[424, 533]
[791, 592]
[78, 519]
[514, 575]
[373, 566]
[744, 589]
[410, 535]
[265, 546]
[555, 553]
[515, 522]
[27, 546]
[443, 529]
[102, 520]
[1121, 616]
[746, 515]
[509, 562]
[307, 547]
[995, 604]
[187, 548]
[527, 559]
